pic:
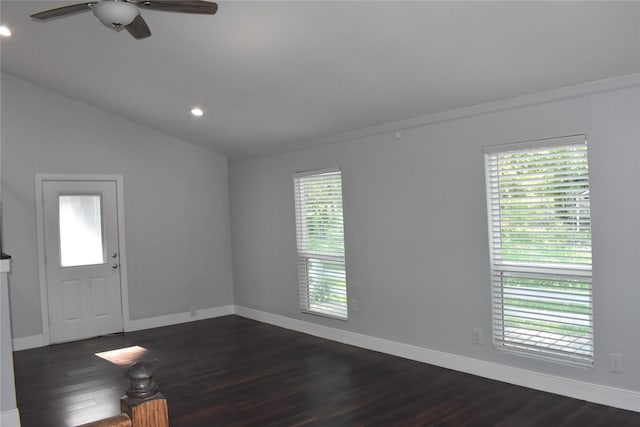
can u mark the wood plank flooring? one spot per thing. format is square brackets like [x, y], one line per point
[231, 371]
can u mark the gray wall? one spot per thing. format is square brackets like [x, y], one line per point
[416, 229]
[175, 199]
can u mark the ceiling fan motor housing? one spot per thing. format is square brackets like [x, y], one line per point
[115, 13]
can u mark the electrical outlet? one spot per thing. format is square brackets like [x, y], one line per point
[477, 336]
[193, 311]
[616, 362]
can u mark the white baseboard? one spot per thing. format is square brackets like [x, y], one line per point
[36, 341]
[174, 319]
[26, 343]
[10, 418]
[611, 396]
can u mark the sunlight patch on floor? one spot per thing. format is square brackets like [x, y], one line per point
[124, 356]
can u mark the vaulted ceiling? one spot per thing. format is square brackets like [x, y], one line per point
[269, 75]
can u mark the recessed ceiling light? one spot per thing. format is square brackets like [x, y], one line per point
[4, 31]
[197, 112]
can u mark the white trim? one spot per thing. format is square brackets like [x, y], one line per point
[612, 396]
[5, 265]
[42, 269]
[124, 287]
[35, 341]
[10, 418]
[124, 283]
[580, 139]
[303, 174]
[177, 318]
[576, 91]
[27, 343]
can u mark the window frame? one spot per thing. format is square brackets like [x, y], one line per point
[305, 255]
[544, 274]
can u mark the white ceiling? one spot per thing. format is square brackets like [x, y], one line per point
[272, 74]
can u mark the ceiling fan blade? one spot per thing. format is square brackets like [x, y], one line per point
[139, 28]
[62, 11]
[206, 7]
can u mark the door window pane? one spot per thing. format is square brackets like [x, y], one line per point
[80, 230]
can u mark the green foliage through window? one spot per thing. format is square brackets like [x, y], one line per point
[319, 226]
[540, 236]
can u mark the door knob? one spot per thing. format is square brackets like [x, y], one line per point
[114, 255]
[114, 266]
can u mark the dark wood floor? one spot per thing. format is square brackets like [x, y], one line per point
[232, 371]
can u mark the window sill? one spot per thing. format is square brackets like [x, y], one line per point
[328, 316]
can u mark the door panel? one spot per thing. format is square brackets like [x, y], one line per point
[83, 284]
[70, 304]
[99, 296]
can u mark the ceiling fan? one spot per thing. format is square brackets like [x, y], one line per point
[118, 14]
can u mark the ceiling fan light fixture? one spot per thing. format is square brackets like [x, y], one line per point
[115, 13]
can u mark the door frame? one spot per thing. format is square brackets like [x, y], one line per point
[42, 271]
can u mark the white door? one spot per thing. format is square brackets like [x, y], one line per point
[81, 259]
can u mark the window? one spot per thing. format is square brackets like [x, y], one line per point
[319, 227]
[80, 230]
[540, 241]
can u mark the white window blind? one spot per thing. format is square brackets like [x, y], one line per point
[320, 233]
[540, 238]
